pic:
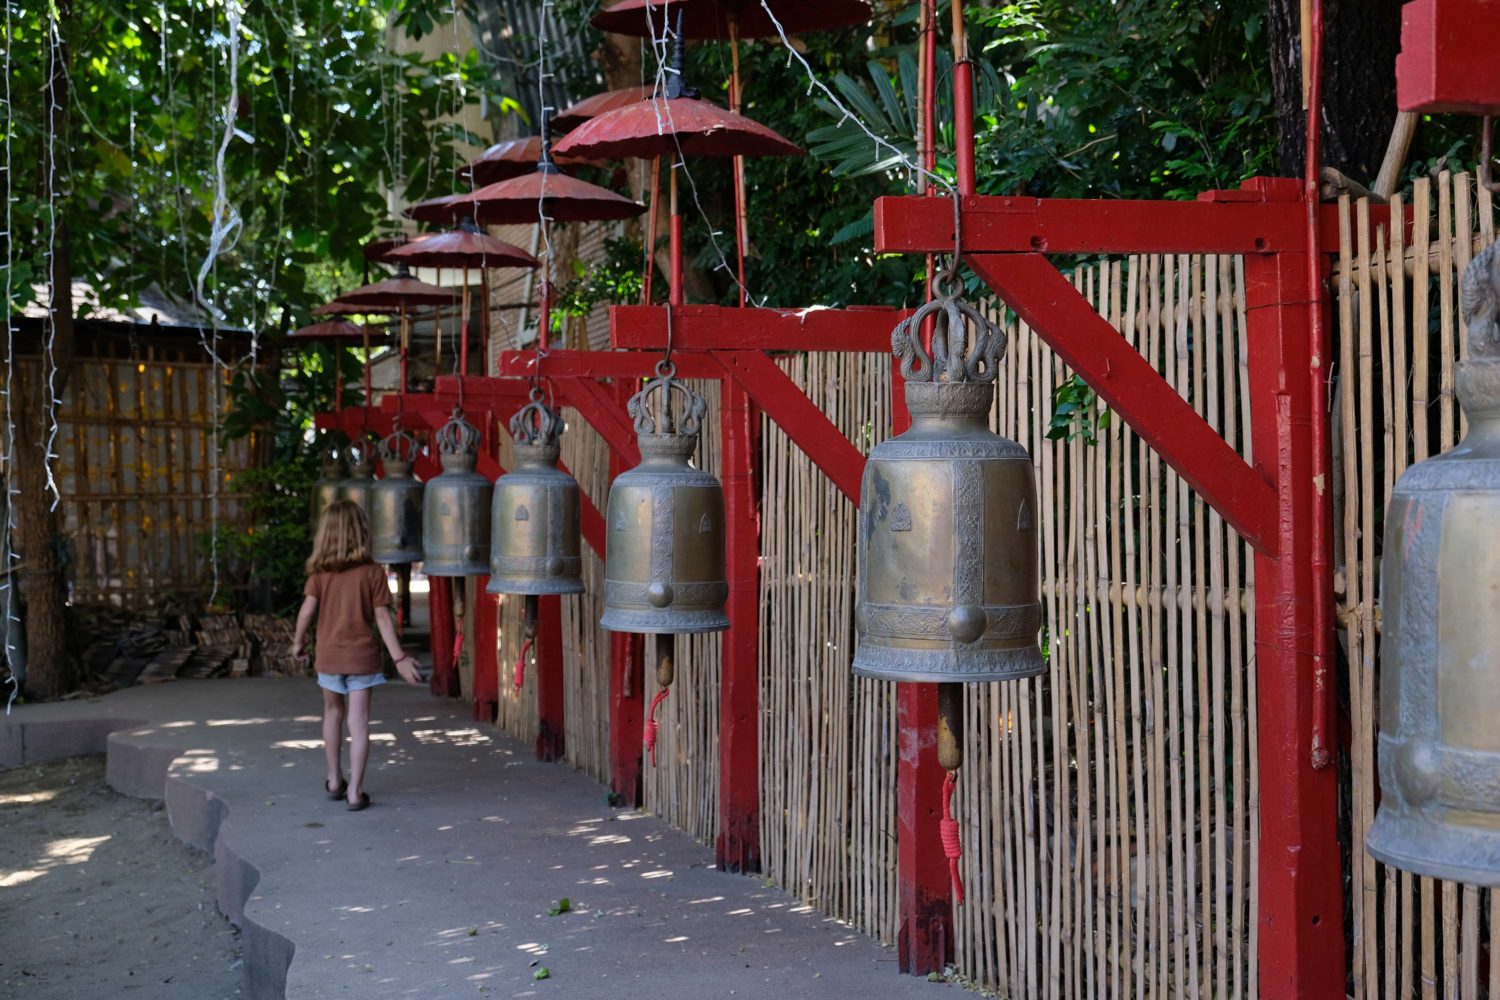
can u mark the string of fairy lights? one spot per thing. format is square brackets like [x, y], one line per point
[12, 620]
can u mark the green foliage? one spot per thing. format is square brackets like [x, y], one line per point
[326, 119]
[615, 280]
[1076, 412]
[268, 556]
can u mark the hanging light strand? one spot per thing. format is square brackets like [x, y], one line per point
[7, 463]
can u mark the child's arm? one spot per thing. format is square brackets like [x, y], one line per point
[406, 665]
[304, 619]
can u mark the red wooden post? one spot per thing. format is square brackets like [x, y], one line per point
[486, 625]
[551, 739]
[1301, 880]
[444, 681]
[627, 713]
[738, 846]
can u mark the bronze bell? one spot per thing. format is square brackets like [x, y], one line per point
[456, 506]
[325, 489]
[534, 528]
[395, 504]
[1439, 746]
[355, 487]
[665, 571]
[948, 587]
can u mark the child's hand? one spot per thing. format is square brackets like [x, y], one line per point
[407, 668]
[299, 654]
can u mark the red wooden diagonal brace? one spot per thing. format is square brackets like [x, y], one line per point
[1086, 341]
[783, 401]
[596, 406]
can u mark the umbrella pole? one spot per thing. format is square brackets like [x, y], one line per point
[463, 329]
[544, 310]
[675, 236]
[650, 267]
[404, 344]
[741, 216]
[364, 329]
[338, 379]
[484, 315]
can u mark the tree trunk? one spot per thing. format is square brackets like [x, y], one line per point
[49, 673]
[1360, 41]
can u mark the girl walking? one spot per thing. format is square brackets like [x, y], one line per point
[348, 594]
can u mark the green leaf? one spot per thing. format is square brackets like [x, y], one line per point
[542, 973]
[563, 906]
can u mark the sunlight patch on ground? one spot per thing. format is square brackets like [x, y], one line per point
[298, 745]
[28, 798]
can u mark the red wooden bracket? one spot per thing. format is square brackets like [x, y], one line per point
[595, 404]
[1050, 305]
[809, 427]
[1447, 58]
[719, 328]
[485, 615]
[1236, 222]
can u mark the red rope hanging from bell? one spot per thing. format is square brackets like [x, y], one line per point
[948, 831]
[520, 673]
[652, 729]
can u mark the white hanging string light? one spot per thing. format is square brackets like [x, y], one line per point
[7, 455]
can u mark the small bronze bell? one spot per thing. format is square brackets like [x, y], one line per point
[325, 489]
[534, 529]
[355, 487]
[395, 504]
[665, 571]
[947, 564]
[1439, 747]
[456, 506]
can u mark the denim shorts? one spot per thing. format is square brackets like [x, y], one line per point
[344, 683]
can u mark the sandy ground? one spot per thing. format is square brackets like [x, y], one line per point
[99, 899]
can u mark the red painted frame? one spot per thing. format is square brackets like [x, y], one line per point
[1301, 950]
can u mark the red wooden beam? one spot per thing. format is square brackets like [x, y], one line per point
[1301, 950]
[1447, 58]
[1238, 222]
[1051, 306]
[601, 364]
[486, 639]
[551, 738]
[627, 710]
[809, 427]
[717, 328]
[440, 633]
[737, 848]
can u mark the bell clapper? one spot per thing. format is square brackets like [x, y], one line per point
[951, 756]
[665, 671]
[528, 636]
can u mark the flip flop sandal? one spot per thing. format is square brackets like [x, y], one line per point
[363, 803]
[335, 795]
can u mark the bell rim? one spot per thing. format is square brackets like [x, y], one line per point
[401, 557]
[431, 568]
[872, 661]
[1389, 829]
[628, 620]
[535, 588]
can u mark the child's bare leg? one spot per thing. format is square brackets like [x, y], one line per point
[333, 736]
[359, 741]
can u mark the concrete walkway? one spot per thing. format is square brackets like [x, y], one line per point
[444, 886]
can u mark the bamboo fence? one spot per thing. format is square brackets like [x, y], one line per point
[1109, 807]
[136, 469]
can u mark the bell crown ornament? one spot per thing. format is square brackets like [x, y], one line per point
[665, 571]
[395, 504]
[1439, 746]
[947, 546]
[456, 505]
[534, 527]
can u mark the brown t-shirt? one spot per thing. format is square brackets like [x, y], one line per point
[346, 616]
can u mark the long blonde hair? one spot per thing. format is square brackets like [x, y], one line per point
[342, 541]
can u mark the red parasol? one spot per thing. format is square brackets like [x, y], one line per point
[504, 160]
[519, 200]
[661, 126]
[338, 329]
[402, 290]
[377, 248]
[728, 18]
[591, 107]
[340, 308]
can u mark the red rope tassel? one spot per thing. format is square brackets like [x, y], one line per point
[651, 727]
[458, 642]
[520, 677]
[948, 830]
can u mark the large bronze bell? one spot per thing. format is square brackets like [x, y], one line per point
[665, 571]
[325, 489]
[534, 529]
[395, 504]
[1439, 811]
[355, 487]
[456, 506]
[947, 562]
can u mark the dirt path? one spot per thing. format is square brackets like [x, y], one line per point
[99, 899]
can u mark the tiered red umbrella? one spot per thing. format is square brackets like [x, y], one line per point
[463, 247]
[677, 122]
[507, 159]
[730, 20]
[338, 307]
[592, 107]
[399, 293]
[541, 196]
[336, 333]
